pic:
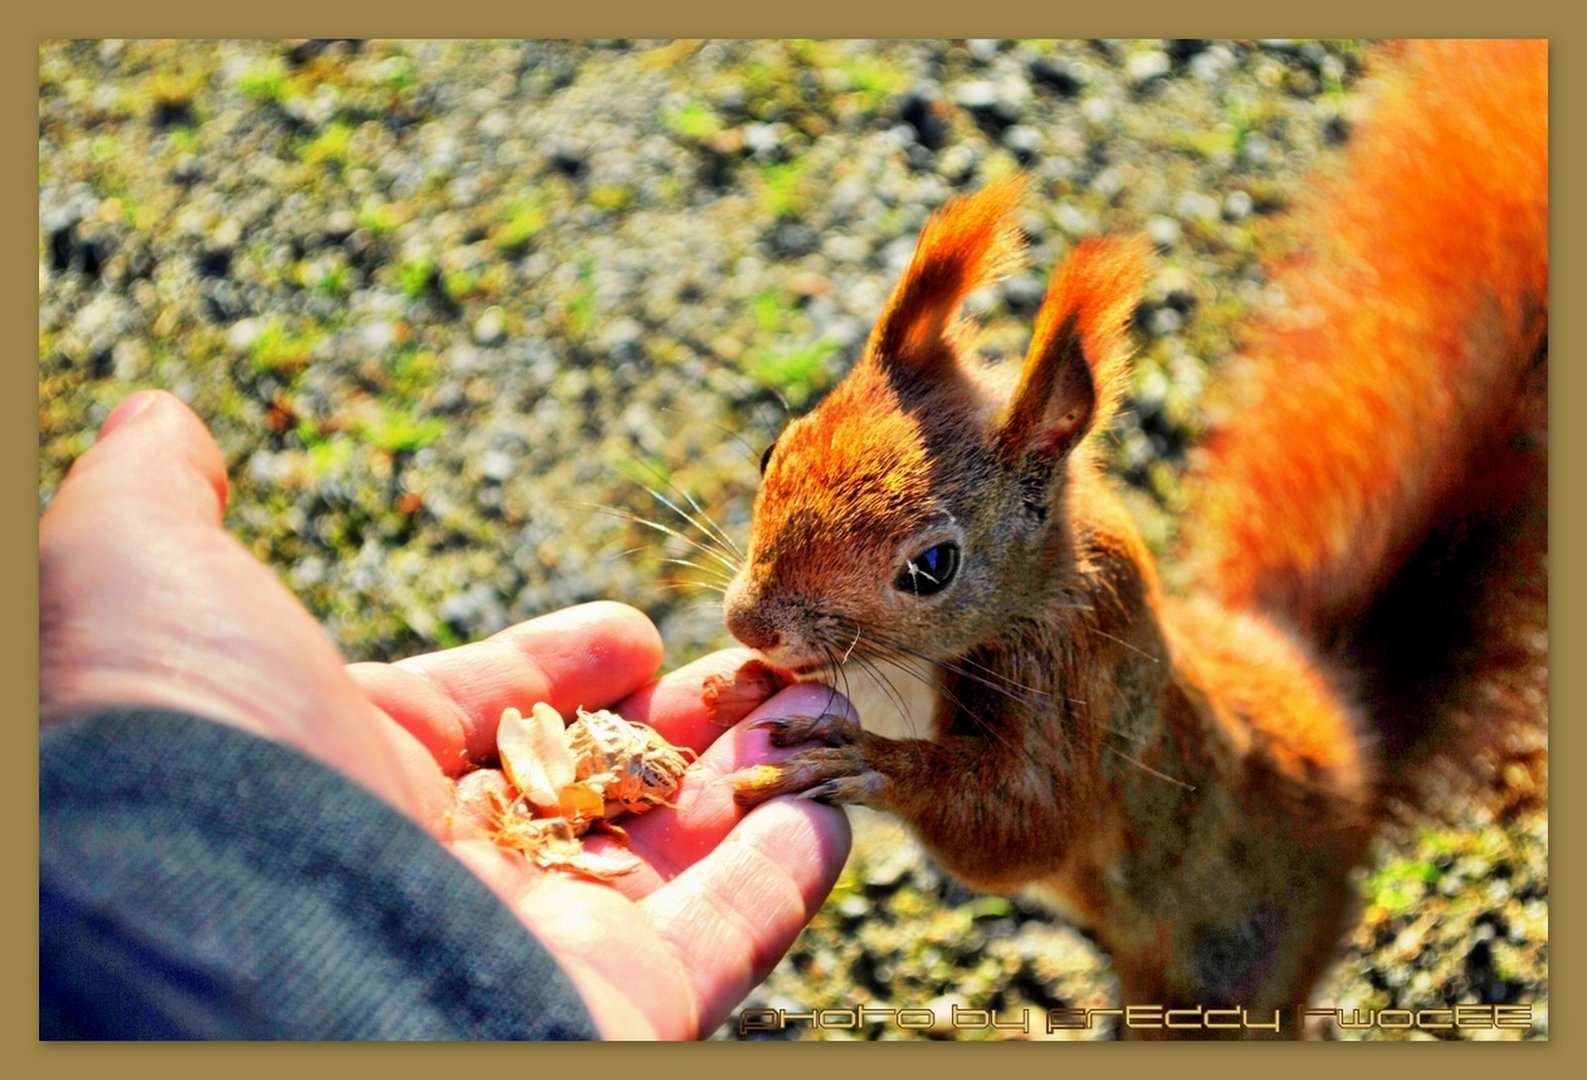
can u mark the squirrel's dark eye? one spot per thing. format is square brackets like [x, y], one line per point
[765, 459]
[930, 571]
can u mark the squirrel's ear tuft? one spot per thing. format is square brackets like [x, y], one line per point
[1074, 369]
[968, 244]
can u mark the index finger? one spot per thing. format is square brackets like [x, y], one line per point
[591, 656]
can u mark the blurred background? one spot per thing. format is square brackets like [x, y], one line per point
[456, 310]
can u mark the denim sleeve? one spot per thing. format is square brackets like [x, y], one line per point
[199, 882]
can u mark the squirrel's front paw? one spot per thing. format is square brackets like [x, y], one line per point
[829, 774]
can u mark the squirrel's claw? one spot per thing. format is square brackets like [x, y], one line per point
[846, 790]
[830, 729]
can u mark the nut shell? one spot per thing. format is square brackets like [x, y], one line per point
[631, 764]
[566, 779]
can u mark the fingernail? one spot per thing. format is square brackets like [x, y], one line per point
[128, 408]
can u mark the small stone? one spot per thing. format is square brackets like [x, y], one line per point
[763, 140]
[491, 327]
[957, 163]
[791, 240]
[243, 333]
[309, 571]
[496, 465]
[1198, 206]
[978, 96]
[1075, 221]
[1165, 321]
[1255, 150]
[1096, 110]
[494, 124]
[1145, 67]
[1212, 63]
[854, 907]
[1164, 231]
[1024, 142]
[377, 336]
[983, 50]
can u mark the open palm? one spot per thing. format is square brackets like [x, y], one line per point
[670, 948]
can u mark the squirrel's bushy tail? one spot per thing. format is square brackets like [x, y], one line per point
[1378, 475]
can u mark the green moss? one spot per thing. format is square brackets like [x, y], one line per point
[796, 372]
[784, 190]
[184, 138]
[695, 121]
[462, 284]
[611, 197]
[580, 309]
[396, 430]
[380, 218]
[875, 81]
[414, 275]
[414, 371]
[1208, 143]
[276, 350]
[330, 146]
[1401, 884]
[771, 78]
[329, 457]
[266, 81]
[399, 75]
[333, 282]
[526, 216]
[768, 310]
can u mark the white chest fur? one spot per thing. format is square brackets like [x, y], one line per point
[895, 701]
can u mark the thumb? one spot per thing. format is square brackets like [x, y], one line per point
[144, 599]
[151, 450]
[136, 515]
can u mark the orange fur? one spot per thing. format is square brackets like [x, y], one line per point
[970, 244]
[1090, 303]
[1387, 437]
[1190, 778]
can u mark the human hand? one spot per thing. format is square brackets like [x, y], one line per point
[668, 950]
[145, 600]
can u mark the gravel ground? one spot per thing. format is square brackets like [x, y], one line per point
[451, 308]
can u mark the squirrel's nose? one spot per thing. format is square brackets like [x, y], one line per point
[745, 623]
[746, 619]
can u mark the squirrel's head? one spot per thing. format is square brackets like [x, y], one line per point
[921, 506]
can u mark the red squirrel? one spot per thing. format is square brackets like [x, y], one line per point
[1192, 778]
